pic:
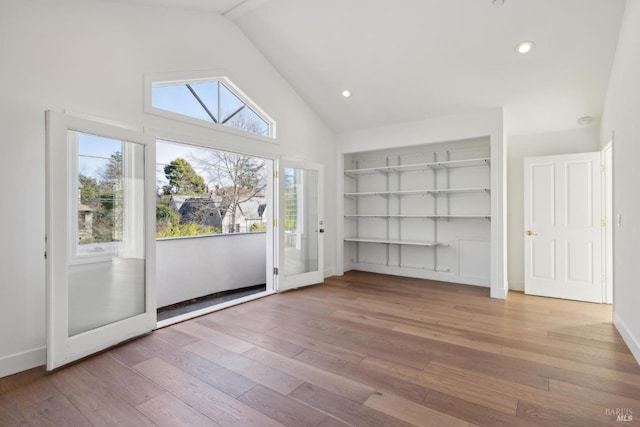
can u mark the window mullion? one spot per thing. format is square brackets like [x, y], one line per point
[195, 95]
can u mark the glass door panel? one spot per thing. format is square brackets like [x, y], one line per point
[107, 264]
[100, 237]
[302, 225]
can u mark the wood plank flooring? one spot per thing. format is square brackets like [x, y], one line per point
[361, 350]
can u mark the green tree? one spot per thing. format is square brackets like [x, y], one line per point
[238, 179]
[89, 191]
[183, 179]
[166, 216]
[102, 194]
[108, 217]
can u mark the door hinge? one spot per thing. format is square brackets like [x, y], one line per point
[602, 168]
[275, 222]
[604, 279]
[275, 270]
[275, 174]
[45, 254]
[603, 223]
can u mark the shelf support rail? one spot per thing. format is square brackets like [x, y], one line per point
[399, 162]
[435, 212]
[357, 201]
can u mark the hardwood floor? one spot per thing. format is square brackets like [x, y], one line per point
[363, 350]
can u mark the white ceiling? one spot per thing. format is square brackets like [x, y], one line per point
[406, 60]
[231, 8]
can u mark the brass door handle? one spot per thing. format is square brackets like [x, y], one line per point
[531, 233]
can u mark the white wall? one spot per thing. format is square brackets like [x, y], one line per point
[621, 116]
[90, 56]
[194, 267]
[545, 144]
[483, 123]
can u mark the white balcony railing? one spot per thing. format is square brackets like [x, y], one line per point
[192, 267]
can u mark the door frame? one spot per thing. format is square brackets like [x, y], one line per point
[62, 349]
[607, 215]
[232, 142]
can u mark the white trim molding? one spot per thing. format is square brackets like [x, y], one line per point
[632, 342]
[19, 362]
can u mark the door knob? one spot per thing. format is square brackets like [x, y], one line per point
[531, 233]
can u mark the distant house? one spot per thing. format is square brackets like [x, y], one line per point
[177, 200]
[85, 223]
[212, 211]
[251, 213]
[248, 213]
[199, 210]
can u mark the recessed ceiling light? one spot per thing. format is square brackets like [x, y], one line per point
[525, 47]
[346, 93]
[585, 120]
[497, 3]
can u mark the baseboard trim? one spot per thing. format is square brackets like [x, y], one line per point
[499, 293]
[419, 274]
[627, 336]
[19, 362]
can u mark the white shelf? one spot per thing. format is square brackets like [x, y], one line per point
[485, 161]
[418, 192]
[364, 216]
[391, 242]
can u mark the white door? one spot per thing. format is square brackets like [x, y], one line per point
[301, 225]
[100, 237]
[563, 236]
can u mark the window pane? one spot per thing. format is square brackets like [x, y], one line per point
[208, 93]
[106, 275]
[219, 101]
[100, 193]
[178, 99]
[300, 221]
[229, 103]
[249, 121]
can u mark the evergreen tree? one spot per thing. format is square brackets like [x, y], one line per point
[183, 179]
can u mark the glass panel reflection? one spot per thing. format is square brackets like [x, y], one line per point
[106, 269]
[300, 221]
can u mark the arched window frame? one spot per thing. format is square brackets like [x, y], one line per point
[170, 79]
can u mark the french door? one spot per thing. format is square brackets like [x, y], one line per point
[301, 224]
[100, 237]
[563, 227]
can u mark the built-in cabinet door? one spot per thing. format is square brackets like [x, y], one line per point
[100, 237]
[563, 227]
[300, 224]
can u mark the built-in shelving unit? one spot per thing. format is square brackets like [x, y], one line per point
[421, 209]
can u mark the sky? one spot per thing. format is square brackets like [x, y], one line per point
[94, 153]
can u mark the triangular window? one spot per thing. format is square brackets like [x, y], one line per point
[213, 101]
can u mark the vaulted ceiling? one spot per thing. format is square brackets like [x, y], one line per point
[408, 60]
